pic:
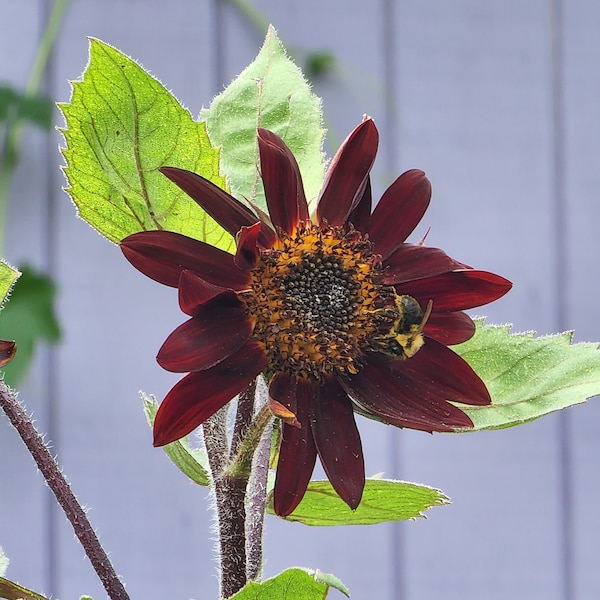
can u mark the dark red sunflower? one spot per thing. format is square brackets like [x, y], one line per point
[338, 312]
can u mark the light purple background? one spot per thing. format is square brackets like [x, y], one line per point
[498, 102]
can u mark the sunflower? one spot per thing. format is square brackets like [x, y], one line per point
[338, 312]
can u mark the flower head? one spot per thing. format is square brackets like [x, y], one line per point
[338, 311]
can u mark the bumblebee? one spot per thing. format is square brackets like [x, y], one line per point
[405, 337]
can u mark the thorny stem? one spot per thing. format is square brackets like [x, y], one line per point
[62, 491]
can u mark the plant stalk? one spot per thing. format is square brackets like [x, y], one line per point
[63, 493]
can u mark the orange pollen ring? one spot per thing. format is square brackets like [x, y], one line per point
[316, 300]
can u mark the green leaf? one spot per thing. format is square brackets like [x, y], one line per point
[292, 584]
[528, 377]
[8, 276]
[383, 500]
[122, 125]
[271, 93]
[190, 461]
[35, 109]
[28, 318]
[3, 562]
[12, 591]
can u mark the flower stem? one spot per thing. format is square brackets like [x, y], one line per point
[257, 493]
[230, 494]
[62, 491]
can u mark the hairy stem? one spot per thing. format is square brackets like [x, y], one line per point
[62, 491]
[230, 493]
[257, 493]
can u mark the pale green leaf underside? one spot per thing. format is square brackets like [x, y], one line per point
[528, 377]
[3, 562]
[8, 276]
[271, 93]
[383, 500]
[292, 584]
[122, 125]
[190, 461]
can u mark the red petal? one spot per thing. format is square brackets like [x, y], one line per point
[7, 351]
[450, 328]
[223, 208]
[297, 456]
[346, 177]
[282, 181]
[247, 254]
[195, 292]
[338, 442]
[360, 215]
[457, 290]
[446, 371]
[383, 390]
[218, 329]
[399, 211]
[201, 394]
[163, 255]
[283, 389]
[412, 261]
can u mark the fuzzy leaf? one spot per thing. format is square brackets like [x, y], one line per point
[528, 377]
[12, 591]
[3, 562]
[190, 461]
[8, 276]
[292, 584]
[122, 125]
[271, 93]
[383, 500]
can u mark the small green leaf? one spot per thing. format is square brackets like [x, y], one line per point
[28, 318]
[332, 581]
[271, 93]
[292, 584]
[16, 105]
[383, 500]
[122, 125]
[3, 562]
[528, 377]
[190, 461]
[12, 591]
[8, 276]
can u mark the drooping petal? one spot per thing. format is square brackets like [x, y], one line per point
[399, 211]
[385, 391]
[457, 290]
[297, 455]
[8, 349]
[223, 208]
[412, 261]
[219, 328]
[195, 292]
[338, 442]
[360, 215]
[247, 254]
[201, 394]
[281, 177]
[163, 255]
[450, 328]
[346, 177]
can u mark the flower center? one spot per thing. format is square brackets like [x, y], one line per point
[318, 303]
